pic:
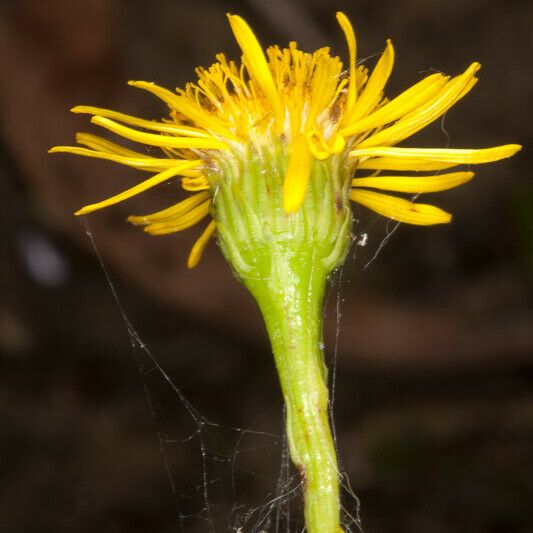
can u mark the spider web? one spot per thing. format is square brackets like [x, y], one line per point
[245, 482]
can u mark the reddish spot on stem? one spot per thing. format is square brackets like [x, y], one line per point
[338, 202]
[303, 475]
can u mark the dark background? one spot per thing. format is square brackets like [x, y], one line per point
[433, 399]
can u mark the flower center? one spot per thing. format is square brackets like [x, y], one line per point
[309, 88]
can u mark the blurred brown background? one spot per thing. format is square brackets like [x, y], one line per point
[433, 399]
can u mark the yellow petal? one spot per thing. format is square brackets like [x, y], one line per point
[107, 147]
[454, 90]
[171, 212]
[170, 98]
[257, 65]
[159, 140]
[198, 183]
[404, 163]
[400, 209]
[183, 105]
[141, 187]
[404, 103]
[415, 184]
[322, 149]
[297, 175]
[199, 246]
[142, 163]
[181, 222]
[372, 93]
[103, 145]
[349, 34]
[438, 155]
[141, 123]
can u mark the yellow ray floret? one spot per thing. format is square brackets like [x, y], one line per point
[193, 184]
[159, 140]
[171, 212]
[103, 145]
[415, 184]
[449, 156]
[187, 107]
[404, 163]
[373, 90]
[180, 222]
[163, 127]
[257, 65]
[406, 102]
[297, 176]
[199, 246]
[349, 34]
[400, 209]
[300, 105]
[141, 187]
[142, 163]
[435, 107]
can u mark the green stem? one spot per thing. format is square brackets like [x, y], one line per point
[291, 305]
[284, 261]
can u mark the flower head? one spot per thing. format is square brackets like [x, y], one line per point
[302, 105]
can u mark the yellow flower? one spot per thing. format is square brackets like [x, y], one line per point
[309, 105]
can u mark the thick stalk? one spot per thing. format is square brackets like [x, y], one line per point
[291, 304]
